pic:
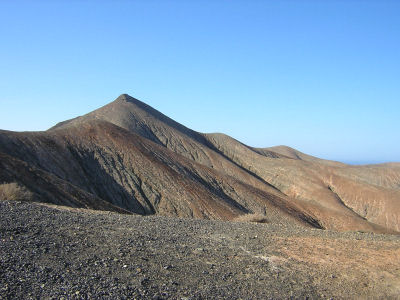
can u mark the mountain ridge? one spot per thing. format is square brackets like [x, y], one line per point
[131, 155]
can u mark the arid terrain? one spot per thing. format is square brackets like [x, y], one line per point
[55, 252]
[134, 204]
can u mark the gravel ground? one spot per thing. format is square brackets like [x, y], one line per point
[53, 252]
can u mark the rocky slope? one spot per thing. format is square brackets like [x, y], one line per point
[133, 173]
[328, 189]
[58, 252]
[128, 156]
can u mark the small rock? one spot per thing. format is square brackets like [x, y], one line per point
[168, 267]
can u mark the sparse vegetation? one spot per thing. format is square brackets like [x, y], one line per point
[14, 191]
[253, 218]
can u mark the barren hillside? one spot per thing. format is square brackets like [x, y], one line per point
[128, 157]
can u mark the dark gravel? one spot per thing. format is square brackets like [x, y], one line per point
[48, 252]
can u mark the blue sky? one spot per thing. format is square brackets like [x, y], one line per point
[320, 76]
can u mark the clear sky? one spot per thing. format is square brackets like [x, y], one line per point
[320, 76]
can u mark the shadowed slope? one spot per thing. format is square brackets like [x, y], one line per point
[137, 117]
[132, 172]
[47, 187]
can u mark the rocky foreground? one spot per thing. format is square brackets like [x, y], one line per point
[57, 252]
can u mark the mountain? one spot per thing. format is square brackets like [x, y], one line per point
[330, 190]
[128, 157]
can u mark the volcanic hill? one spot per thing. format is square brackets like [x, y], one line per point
[127, 157]
[126, 203]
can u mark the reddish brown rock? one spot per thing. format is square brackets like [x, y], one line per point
[126, 156]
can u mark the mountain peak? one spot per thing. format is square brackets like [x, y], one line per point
[125, 97]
